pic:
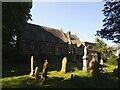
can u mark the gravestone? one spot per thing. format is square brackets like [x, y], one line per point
[36, 73]
[44, 72]
[32, 67]
[101, 62]
[94, 68]
[64, 62]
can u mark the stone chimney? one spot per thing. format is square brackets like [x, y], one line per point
[69, 32]
[68, 37]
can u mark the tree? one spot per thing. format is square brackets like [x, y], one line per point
[111, 30]
[101, 48]
[107, 52]
[14, 17]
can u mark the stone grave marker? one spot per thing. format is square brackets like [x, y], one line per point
[32, 67]
[36, 72]
[94, 68]
[101, 62]
[64, 62]
[44, 72]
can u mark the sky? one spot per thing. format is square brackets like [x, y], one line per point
[81, 18]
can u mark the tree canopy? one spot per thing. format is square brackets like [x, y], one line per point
[107, 52]
[14, 17]
[111, 30]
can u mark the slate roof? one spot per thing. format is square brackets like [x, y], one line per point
[43, 33]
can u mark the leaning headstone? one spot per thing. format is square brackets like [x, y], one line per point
[32, 69]
[64, 62]
[36, 73]
[94, 68]
[44, 72]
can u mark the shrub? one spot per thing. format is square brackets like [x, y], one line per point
[112, 60]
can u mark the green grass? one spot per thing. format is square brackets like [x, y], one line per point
[56, 79]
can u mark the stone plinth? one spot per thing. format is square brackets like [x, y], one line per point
[84, 68]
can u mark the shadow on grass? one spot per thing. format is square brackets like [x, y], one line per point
[9, 70]
[24, 82]
[101, 82]
[81, 82]
[105, 81]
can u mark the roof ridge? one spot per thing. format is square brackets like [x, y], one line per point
[45, 26]
[50, 28]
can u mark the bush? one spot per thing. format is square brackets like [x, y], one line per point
[112, 60]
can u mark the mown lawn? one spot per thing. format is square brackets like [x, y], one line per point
[56, 79]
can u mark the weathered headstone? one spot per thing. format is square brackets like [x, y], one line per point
[101, 62]
[94, 68]
[64, 62]
[44, 72]
[36, 73]
[32, 69]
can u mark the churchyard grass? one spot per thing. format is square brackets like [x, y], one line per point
[56, 79]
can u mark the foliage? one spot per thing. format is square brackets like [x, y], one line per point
[107, 52]
[112, 60]
[14, 17]
[111, 30]
[109, 67]
[101, 47]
